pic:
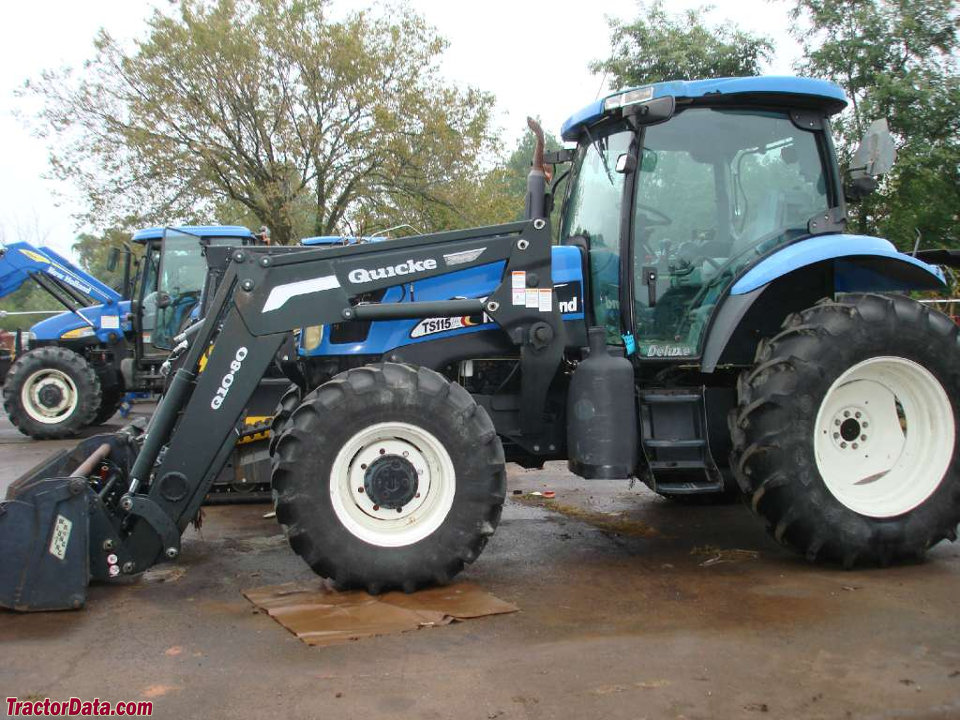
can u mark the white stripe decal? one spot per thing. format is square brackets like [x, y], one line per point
[280, 294]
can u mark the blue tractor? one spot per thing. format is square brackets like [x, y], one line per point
[74, 369]
[705, 323]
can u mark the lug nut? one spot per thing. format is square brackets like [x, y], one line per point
[417, 495]
[399, 509]
[836, 422]
[360, 490]
[846, 413]
[836, 436]
[866, 424]
[376, 507]
[382, 451]
[843, 445]
[857, 415]
[855, 446]
[863, 437]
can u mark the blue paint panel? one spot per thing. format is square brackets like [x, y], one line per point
[475, 282]
[831, 96]
[18, 260]
[53, 327]
[820, 248]
[156, 233]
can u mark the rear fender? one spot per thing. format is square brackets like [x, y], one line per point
[799, 275]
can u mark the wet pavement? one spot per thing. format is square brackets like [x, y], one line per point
[631, 607]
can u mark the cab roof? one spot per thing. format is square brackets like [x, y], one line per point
[156, 233]
[792, 91]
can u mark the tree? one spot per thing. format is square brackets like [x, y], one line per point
[308, 125]
[658, 46]
[895, 59]
[94, 253]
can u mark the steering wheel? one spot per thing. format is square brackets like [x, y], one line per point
[659, 219]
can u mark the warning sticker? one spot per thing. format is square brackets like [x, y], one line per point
[61, 537]
[110, 322]
[519, 296]
[518, 279]
[533, 298]
[546, 300]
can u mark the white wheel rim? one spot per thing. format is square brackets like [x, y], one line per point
[417, 518]
[884, 436]
[43, 381]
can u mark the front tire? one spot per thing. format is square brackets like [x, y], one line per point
[51, 393]
[845, 438]
[388, 476]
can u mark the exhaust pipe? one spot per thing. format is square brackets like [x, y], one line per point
[537, 177]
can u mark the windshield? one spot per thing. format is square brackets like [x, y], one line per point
[592, 211]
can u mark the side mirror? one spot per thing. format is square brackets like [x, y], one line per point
[113, 259]
[626, 163]
[874, 157]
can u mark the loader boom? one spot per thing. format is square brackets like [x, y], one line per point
[267, 292]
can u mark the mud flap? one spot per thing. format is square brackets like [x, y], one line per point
[44, 533]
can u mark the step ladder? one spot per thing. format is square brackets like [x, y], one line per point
[675, 442]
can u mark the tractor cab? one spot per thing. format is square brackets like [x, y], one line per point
[173, 279]
[678, 187]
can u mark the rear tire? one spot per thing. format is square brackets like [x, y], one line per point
[845, 438]
[388, 476]
[111, 401]
[51, 393]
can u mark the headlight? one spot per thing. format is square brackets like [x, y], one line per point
[627, 98]
[312, 337]
[80, 332]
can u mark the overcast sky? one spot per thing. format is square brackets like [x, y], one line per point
[497, 46]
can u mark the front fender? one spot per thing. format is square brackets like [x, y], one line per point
[863, 263]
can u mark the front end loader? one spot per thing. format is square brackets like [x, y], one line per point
[705, 324]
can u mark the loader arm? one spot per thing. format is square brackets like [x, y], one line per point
[265, 293]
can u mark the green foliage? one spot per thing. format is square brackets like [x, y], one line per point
[658, 46]
[28, 297]
[896, 59]
[94, 253]
[308, 125]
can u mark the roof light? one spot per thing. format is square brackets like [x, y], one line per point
[630, 97]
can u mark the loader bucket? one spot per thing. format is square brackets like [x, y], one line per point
[44, 529]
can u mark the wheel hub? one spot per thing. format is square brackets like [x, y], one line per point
[849, 428]
[391, 482]
[884, 436]
[50, 395]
